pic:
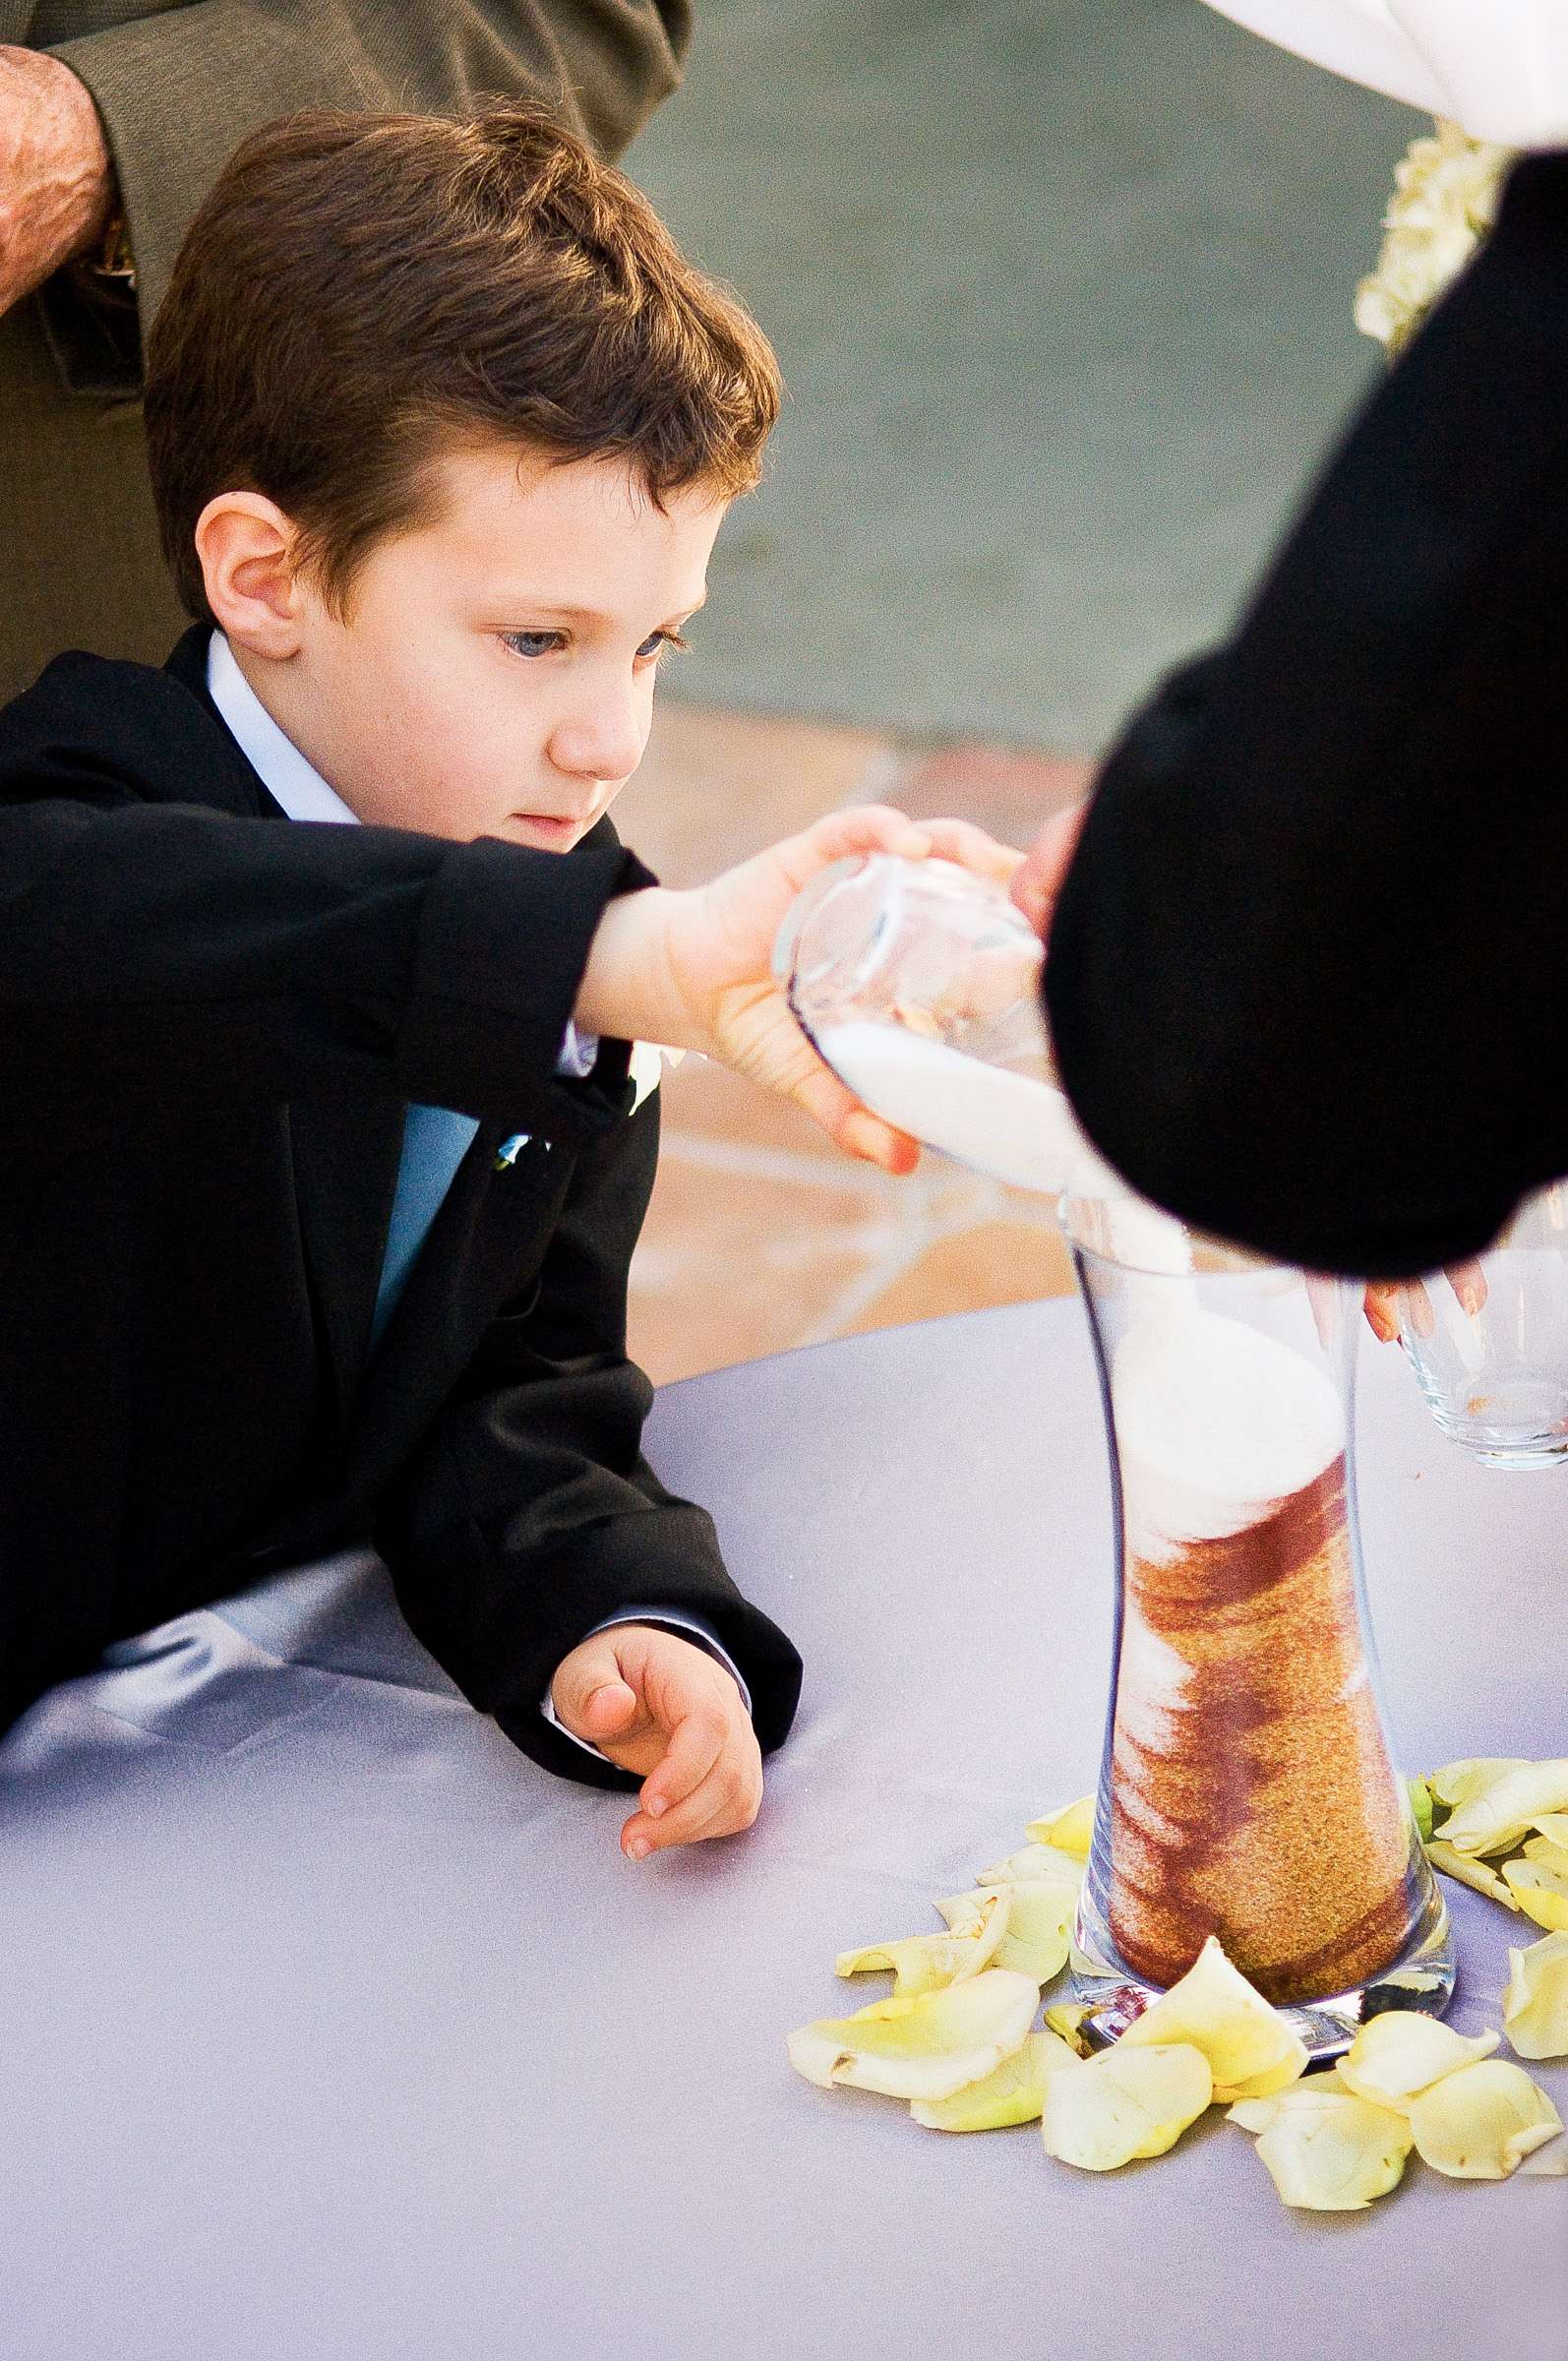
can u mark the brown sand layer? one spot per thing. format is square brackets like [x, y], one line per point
[1252, 1795]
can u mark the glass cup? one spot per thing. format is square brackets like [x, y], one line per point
[1487, 1340]
[1248, 1788]
[919, 984]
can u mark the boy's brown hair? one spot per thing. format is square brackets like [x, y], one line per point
[360, 295]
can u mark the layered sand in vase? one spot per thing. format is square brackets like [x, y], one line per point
[1252, 1796]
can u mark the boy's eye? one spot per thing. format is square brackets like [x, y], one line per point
[656, 642]
[533, 644]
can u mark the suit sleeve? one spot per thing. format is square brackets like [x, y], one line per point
[529, 1515]
[1307, 974]
[177, 90]
[166, 956]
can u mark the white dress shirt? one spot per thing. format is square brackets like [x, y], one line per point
[295, 784]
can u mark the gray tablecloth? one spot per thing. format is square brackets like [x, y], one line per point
[337, 2028]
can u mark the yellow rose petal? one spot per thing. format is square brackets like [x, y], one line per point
[1014, 2093]
[1536, 2004]
[1496, 1812]
[1250, 2047]
[926, 2047]
[1065, 2020]
[1540, 1891]
[1256, 2114]
[1549, 1851]
[931, 1962]
[1403, 2052]
[1071, 1829]
[1038, 1930]
[1456, 1783]
[1034, 1865]
[1327, 2150]
[1469, 1873]
[1477, 2125]
[1125, 2103]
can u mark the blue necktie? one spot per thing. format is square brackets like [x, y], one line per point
[434, 1143]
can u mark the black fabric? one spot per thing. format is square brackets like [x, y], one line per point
[1307, 975]
[210, 1021]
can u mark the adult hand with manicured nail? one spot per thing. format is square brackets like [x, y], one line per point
[671, 1714]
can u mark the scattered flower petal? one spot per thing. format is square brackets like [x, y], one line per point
[1469, 1873]
[1541, 1893]
[1496, 1812]
[1403, 2052]
[1477, 2125]
[931, 1962]
[1552, 1852]
[1250, 2047]
[926, 2047]
[1125, 2103]
[1456, 1783]
[1034, 1865]
[1065, 2020]
[1038, 1928]
[1327, 2150]
[1536, 2004]
[1071, 1829]
[1014, 2093]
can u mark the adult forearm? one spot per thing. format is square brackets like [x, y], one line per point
[56, 180]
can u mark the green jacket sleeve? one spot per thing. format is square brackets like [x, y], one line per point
[179, 88]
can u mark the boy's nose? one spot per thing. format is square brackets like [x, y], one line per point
[605, 746]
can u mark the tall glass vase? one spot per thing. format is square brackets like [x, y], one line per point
[1248, 1790]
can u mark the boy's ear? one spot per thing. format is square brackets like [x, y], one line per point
[246, 545]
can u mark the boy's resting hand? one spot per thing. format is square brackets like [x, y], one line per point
[669, 1712]
[694, 969]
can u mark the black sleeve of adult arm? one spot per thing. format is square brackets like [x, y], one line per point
[1305, 976]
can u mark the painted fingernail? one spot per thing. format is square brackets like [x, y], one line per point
[639, 1848]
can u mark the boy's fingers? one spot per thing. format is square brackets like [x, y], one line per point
[608, 1712]
[590, 1694]
[984, 856]
[720, 1806]
[696, 1745]
[846, 1120]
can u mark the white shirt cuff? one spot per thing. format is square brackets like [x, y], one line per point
[672, 1618]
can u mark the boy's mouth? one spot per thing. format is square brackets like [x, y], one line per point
[550, 828]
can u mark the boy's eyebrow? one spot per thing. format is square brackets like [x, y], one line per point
[571, 614]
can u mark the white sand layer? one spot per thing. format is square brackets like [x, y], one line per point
[1216, 1424]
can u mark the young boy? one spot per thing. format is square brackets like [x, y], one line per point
[319, 1210]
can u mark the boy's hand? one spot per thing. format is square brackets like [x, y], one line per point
[668, 1710]
[697, 966]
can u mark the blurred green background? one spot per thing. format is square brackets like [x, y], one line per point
[1063, 294]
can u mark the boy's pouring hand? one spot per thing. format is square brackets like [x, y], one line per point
[695, 968]
[670, 1713]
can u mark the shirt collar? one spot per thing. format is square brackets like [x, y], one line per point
[275, 760]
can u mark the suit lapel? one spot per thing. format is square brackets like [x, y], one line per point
[466, 1268]
[345, 1169]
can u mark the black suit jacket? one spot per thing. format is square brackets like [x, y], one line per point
[1308, 974]
[212, 1019]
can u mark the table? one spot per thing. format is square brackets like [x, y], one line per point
[339, 2029]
